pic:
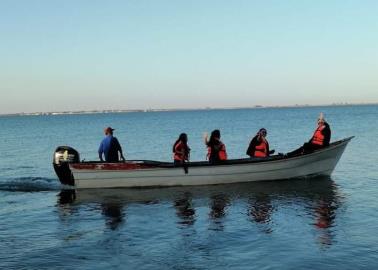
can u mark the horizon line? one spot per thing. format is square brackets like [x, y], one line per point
[98, 111]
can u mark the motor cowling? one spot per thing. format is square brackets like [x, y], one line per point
[63, 156]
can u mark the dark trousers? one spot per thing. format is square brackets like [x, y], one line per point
[305, 149]
[179, 163]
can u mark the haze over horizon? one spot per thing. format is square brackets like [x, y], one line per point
[88, 55]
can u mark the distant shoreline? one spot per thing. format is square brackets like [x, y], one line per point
[182, 109]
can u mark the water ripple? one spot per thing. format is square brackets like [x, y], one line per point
[30, 184]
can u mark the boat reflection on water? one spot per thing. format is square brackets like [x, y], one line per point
[317, 199]
[184, 209]
[113, 214]
[260, 208]
[218, 205]
[325, 213]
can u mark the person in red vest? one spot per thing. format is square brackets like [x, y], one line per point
[216, 150]
[319, 139]
[181, 150]
[322, 134]
[259, 146]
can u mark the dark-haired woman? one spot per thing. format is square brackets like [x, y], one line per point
[259, 146]
[181, 150]
[216, 150]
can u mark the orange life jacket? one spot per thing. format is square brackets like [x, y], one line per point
[222, 154]
[318, 137]
[178, 154]
[261, 150]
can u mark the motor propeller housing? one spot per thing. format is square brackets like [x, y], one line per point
[63, 156]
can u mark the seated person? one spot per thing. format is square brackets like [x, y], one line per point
[320, 139]
[181, 150]
[259, 146]
[110, 147]
[216, 150]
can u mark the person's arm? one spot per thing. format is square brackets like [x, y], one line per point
[205, 138]
[122, 157]
[224, 150]
[119, 148]
[249, 149]
[270, 152]
[252, 146]
[101, 151]
[327, 135]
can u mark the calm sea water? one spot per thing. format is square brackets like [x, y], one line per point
[323, 223]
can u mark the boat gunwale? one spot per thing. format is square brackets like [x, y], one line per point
[159, 165]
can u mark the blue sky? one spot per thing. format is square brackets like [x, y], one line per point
[83, 55]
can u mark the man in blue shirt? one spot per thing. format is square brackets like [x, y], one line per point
[110, 147]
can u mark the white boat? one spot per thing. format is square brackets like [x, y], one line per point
[144, 173]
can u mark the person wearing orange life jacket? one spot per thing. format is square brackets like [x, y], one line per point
[216, 150]
[181, 150]
[259, 146]
[322, 134]
[319, 139]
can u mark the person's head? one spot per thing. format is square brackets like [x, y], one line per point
[262, 132]
[108, 131]
[215, 134]
[183, 137]
[321, 119]
[214, 137]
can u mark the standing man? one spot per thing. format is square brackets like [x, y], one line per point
[110, 147]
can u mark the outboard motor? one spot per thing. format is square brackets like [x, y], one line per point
[64, 155]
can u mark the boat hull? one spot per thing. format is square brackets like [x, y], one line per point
[101, 175]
